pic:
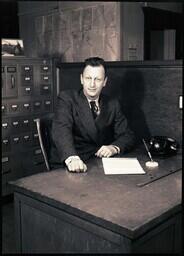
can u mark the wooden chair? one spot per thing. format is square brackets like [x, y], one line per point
[43, 126]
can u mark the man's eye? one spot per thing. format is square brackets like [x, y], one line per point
[98, 79]
[88, 78]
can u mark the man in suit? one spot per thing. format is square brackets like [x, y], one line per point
[88, 123]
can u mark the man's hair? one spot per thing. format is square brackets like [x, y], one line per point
[95, 62]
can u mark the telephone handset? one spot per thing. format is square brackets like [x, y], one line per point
[163, 146]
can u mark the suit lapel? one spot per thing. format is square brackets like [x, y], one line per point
[86, 117]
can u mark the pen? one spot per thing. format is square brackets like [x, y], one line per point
[149, 154]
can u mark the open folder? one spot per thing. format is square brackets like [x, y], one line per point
[120, 165]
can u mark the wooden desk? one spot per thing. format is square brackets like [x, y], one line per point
[59, 212]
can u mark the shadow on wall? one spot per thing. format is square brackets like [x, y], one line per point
[129, 88]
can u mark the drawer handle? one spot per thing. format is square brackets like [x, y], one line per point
[16, 140]
[38, 162]
[14, 107]
[15, 123]
[5, 172]
[37, 104]
[5, 142]
[5, 159]
[37, 151]
[26, 105]
[5, 125]
[26, 137]
[12, 82]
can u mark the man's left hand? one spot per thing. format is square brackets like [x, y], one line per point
[106, 151]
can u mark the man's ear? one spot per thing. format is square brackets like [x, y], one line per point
[105, 81]
[81, 78]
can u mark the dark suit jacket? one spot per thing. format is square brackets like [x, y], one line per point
[75, 132]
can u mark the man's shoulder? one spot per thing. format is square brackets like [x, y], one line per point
[68, 94]
[110, 100]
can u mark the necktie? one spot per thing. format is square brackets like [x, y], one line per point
[94, 108]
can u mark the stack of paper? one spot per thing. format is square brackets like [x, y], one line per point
[122, 166]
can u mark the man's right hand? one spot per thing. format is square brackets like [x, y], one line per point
[75, 164]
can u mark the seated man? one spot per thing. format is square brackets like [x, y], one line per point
[88, 123]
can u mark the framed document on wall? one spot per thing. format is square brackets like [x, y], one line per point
[12, 47]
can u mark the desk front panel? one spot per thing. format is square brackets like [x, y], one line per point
[43, 228]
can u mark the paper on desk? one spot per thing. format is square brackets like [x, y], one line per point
[121, 165]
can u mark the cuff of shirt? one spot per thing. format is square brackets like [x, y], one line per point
[117, 149]
[70, 158]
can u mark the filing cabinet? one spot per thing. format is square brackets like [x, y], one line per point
[27, 94]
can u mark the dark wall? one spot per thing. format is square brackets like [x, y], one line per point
[160, 20]
[9, 19]
[148, 91]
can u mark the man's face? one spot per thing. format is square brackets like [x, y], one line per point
[93, 80]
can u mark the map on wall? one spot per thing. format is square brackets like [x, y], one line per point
[78, 33]
[87, 19]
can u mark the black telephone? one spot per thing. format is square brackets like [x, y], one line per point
[163, 146]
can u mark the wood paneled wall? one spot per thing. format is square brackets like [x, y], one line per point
[148, 91]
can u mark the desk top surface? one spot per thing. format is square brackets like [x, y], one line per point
[113, 201]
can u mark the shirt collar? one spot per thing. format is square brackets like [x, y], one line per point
[96, 101]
